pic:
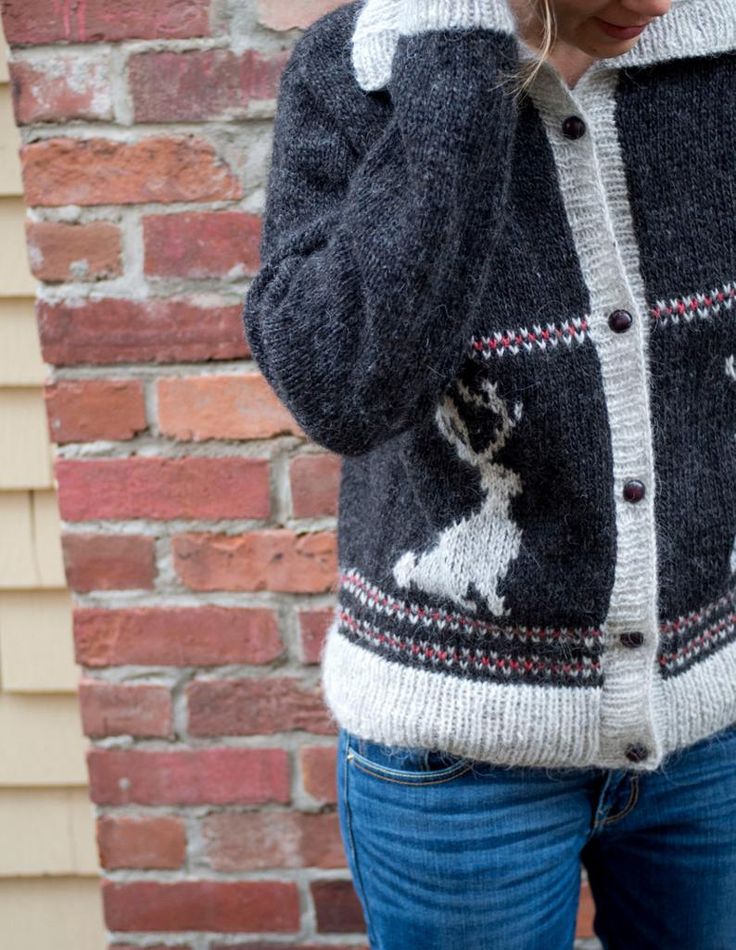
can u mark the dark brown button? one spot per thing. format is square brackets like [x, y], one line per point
[573, 127]
[620, 320]
[634, 490]
[636, 752]
[634, 638]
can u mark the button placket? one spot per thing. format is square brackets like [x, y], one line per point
[591, 174]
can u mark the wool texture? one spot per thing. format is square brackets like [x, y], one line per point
[519, 333]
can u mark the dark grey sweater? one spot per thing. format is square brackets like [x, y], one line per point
[515, 321]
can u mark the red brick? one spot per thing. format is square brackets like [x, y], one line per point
[337, 907]
[85, 410]
[315, 485]
[60, 171]
[202, 244]
[189, 776]
[90, 21]
[313, 626]
[219, 906]
[132, 842]
[179, 946]
[586, 913]
[61, 88]
[109, 561]
[277, 560]
[176, 636]
[249, 706]
[221, 407]
[135, 331]
[84, 252]
[257, 841]
[319, 772]
[197, 85]
[113, 709]
[163, 488]
[291, 14]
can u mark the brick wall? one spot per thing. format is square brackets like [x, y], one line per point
[198, 522]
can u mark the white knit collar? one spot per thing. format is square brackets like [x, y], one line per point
[690, 28]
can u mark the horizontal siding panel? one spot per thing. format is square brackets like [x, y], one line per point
[41, 741]
[36, 642]
[24, 440]
[33, 559]
[47, 831]
[53, 914]
[21, 363]
[16, 279]
[10, 178]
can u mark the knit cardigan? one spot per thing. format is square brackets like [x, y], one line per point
[514, 320]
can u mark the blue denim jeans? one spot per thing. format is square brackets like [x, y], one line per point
[448, 853]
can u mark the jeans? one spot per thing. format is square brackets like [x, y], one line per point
[449, 853]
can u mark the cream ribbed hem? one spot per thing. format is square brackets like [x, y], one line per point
[514, 724]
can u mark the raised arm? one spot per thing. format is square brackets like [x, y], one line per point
[372, 266]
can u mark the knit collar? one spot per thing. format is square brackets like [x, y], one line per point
[689, 28]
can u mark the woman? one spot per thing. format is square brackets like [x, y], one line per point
[498, 265]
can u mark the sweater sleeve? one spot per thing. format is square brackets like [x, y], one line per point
[373, 266]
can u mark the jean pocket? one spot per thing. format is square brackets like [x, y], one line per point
[410, 765]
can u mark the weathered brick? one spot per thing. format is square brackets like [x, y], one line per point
[293, 14]
[249, 706]
[319, 771]
[109, 561]
[85, 410]
[199, 85]
[313, 625]
[222, 407]
[163, 488]
[257, 841]
[90, 21]
[60, 171]
[122, 331]
[277, 560]
[61, 88]
[78, 252]
[200, 244]
[176, 636]
[131, 842]
[219, 906]
[315, 485]
[113, 709]
[337, 907]
[189, 776]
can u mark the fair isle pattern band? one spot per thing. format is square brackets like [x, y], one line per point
[703, 305]
[529, 338]
[520, 725]
[696, 636]
[699, 306]
[447, 641]
[461, 645]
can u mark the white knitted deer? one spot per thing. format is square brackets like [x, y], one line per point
[479, 548]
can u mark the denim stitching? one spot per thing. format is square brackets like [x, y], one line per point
[374, 770]
[633, 798]
[347, 756]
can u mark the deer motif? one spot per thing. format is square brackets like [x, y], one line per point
[479, 548]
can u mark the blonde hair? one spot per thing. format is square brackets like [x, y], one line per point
[528, 69]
